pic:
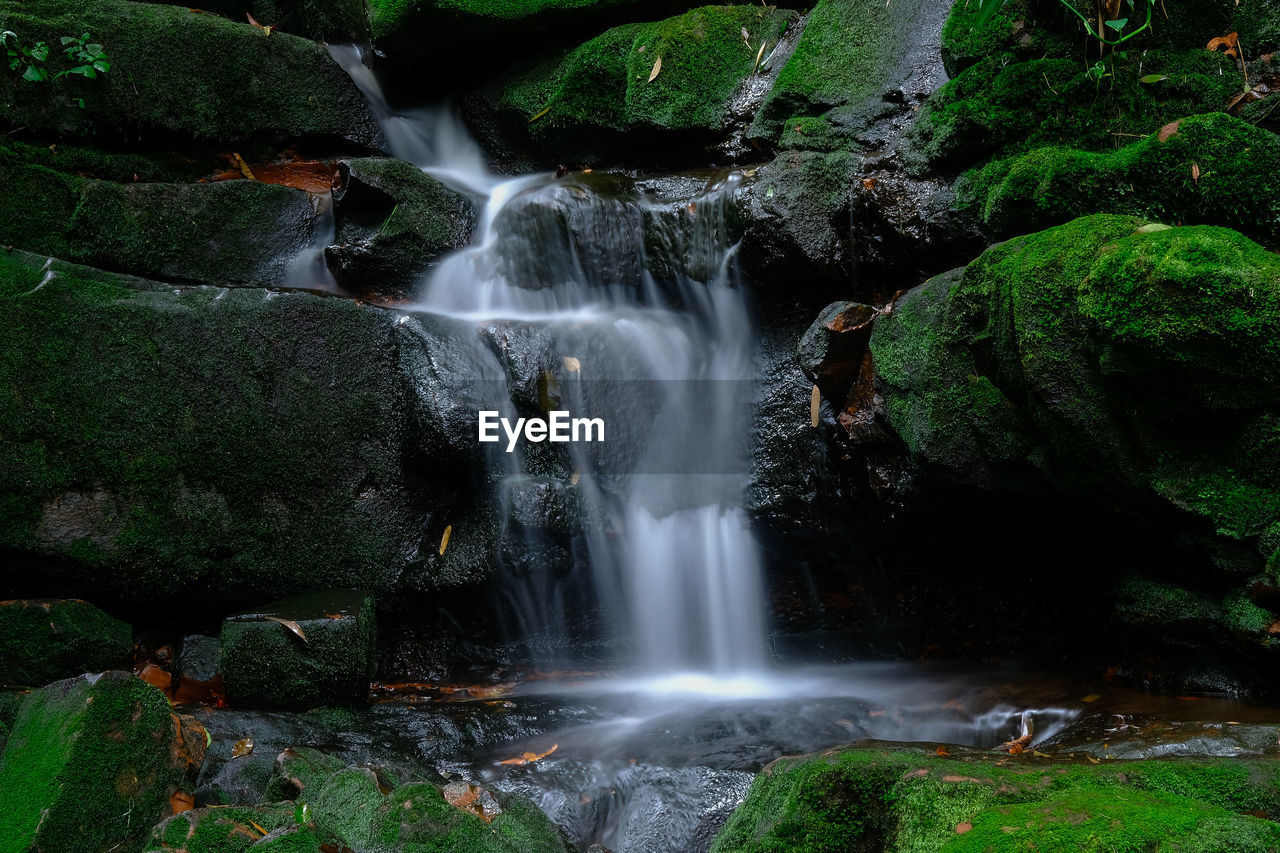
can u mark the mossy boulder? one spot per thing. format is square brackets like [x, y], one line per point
[231, 232]
[226, 829]
[90, 765]
[305, 651]
[174, 70]
[1208, 169]
[880, 797]
[336, 21]
[235, 441]
[43, 640]
[596, 102]
[393, 222]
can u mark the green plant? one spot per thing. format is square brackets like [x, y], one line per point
[90, 58]
[990, 7]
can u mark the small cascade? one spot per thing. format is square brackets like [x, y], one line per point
[637, 293]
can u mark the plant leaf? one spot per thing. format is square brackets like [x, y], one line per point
[657, 69]
[444, 540]
[1153, 78]
[1118, 24]
[540, 114]
[291, 625]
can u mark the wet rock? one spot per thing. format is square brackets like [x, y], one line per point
[1116, 736]
[260, 441]
[833, 350]
[200, 658]
[300, 773]
[90, 765]
[544, 503]
[230, 232]
[393, 222]
[301, 652]
[43, 640]
[596, 102]
[865, 792]
[226, 829]
[173, 71]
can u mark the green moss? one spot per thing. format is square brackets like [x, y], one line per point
[898, 800]
[600, 91]
[222, 829]
[417, 819]
[336, 21]
[88, 766]
[198, 436]
[43, 640]
[1237, 184]
[194, 74]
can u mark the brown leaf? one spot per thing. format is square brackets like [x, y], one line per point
[181, 802]
[333, 615]
[244, 167]
[571, 364]
[444, 540]
[290, 624]
[941, 750]
[1195, 172]
[242, 747]
[156, 677]
[258, 827]
[962, 828]
[530, 757]
[815, 406]
[759, 56]
[657, 69]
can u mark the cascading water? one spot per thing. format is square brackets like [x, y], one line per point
[642, 301]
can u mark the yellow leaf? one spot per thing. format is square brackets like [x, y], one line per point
[244, 168]
[759, 56]
[444, 540]
[571, 364]
[577, 475]
[540, 114]
[815, 404]
[242, 747]
[1092, 697]
[258, 827]
[291, 625]
[657, 68]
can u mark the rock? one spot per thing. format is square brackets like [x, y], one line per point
[858, 62]
[1141, 737]
[393, 222]
[226, 829]
[200, 658]
[833, 351]
[1238, 184]
[877, 796]
[305, 651]
[173, 71]
[300, 773]
[90, 765]
[335, 21]
[10, 702]
[596, 102]
[43, 640]
[230, 232]
[238, 442]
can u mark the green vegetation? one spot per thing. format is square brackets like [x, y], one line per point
[1212, 169]
[88, 766]
[42, 640]
[901, 799]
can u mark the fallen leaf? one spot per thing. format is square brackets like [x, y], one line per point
[1092, 760]
[1038, 754]
[156, 677]
[333, 615]
[539, 114]
[242, 747]
[746, 39]
[244, 167]
[258, 827]
[530, 757]
[1195, 172]
[265, 30]
[815, 406]
[444, 540]
[657, 68]
[1092, 697]
[181, 802]
[759, 56]
[868, 183]
[291, 625]
[577, 475]
[571, 364]
[941, 750]
[962, 828]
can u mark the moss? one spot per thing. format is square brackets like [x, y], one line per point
[335, 21]
[265, 665]
[1238, 181]
[1106, 342]
[417, 819]
[47, 639]
[222, 829]
[88, 766]
[902, 799]
[598, 96]
[192, 74]
[994, 107]
[199, 436]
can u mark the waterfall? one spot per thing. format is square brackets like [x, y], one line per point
[640, 296]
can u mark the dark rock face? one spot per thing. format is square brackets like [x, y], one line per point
[43, 640]
[182, 73]
[393, 221]
[91, 763]
[302, 652]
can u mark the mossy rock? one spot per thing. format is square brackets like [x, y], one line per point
[236, 441]
[177, 71]
[839, 78]
[337, 21]
[300, 773]
[328, 660]
[224, 829]
[394, 221]
[881, 797]
[231, 232]
[596, 102]
[43, 640]
[1209, 169]
[90, 765]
